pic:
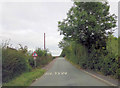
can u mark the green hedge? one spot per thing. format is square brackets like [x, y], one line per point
[17, 61]
[102, 60]
[14, 63]
[42, 59]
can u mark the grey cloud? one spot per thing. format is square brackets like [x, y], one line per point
[25, 23]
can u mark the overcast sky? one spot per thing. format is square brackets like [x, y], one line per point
[26, 22]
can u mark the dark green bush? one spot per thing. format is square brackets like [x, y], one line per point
[103, 60]
[14, 63]
[17, 61]
[42, 59]
[31, 62]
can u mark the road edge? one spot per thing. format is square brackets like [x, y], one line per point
[49, 65]
[78, 67]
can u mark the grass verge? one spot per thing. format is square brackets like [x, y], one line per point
[26, 78]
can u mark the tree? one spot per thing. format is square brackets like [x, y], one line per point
[88, 23]
[63, 44]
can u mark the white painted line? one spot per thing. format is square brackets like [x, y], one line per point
[95, 76]
[100, 78]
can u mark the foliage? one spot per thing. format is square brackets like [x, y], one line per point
[118, 71]
[17, 61]
[105, 61]
[43, 57]
[14, 62]
[88, 23]
[88, 40]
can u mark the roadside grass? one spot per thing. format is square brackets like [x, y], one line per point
[26, 78]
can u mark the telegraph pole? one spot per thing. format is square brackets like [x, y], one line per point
[44, 41]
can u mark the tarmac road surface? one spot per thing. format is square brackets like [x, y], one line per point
[62, 73]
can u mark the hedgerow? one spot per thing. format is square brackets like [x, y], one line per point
[16, 61]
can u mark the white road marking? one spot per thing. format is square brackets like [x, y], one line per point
[56, 73]
[100, 78]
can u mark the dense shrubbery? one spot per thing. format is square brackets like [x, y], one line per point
[14, 62]
[76, 53]
[118, 71]
[17, 61]
[87, 37]
[42, 59]
[105, 61]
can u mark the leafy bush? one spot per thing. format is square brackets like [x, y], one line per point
[14, 63]
[76, 53]
[103, 60]
[17, 61]
[43, 58]
[89, 27]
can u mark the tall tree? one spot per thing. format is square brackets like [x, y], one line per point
[88, 23]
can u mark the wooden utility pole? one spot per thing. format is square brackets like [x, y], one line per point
[44, 41]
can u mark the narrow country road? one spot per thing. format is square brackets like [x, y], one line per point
[62, 73]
